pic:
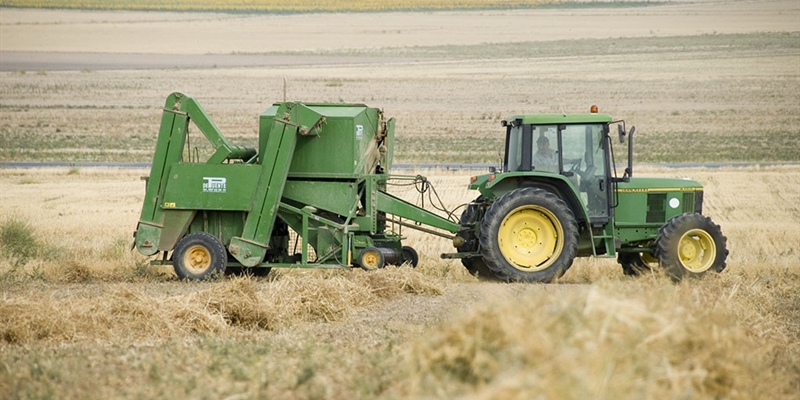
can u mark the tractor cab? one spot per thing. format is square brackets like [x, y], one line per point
[573, 148]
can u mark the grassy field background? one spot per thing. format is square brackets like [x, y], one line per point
[736, 99]
[81, 316]
[281, 5]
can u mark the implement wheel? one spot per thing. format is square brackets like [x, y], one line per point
[635, 264]
[475, 265]
[529, 235]
[371, 258]
[198, 256]
[691, 245]
[410, 256]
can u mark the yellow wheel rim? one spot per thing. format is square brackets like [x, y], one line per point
[697, 250]
[370, 260]
[648, 258]
[531, 238]
[197, 258]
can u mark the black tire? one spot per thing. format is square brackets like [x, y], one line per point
[199, 256]
[633, 264]
[529, 235]
[371, 258]
[475, 265]
[410, 255]
[691, 245]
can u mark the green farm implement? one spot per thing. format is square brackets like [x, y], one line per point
[314, 195]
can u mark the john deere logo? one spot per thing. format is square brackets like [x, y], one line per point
[214, 185]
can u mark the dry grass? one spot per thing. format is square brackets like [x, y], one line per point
[118, 312]
[429, 332]
[618, 340]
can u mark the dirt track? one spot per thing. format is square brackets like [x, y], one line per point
[75, 61]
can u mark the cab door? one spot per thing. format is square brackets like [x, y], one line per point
[582, 151]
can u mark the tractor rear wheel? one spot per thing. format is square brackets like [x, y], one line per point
[529, 235]
[199, 256]
[475, 265]
[691, 245]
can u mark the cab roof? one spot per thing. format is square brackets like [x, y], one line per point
[554, 119]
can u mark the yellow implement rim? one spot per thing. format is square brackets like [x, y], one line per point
[370, 259]
[648, 258]
[697, 250]
[197, 258]
[530, 238]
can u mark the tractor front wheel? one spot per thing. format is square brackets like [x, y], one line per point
[529, 235]
[691, 245]
[198, 256]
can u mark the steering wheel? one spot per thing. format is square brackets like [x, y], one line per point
[576, 166]
[587, 177]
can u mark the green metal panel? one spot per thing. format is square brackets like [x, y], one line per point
[222, 224]
[645, 204]
[169, 149]
[265, 121]
[553, 119]
[210, 187]
[335, 197]
[348, 132]
[250, 248]
[502, 183]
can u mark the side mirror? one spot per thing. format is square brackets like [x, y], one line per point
[621, 132]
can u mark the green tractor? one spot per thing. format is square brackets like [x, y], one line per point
[558, 197]
[313, 194]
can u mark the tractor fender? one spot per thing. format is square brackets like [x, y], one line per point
[559, 185]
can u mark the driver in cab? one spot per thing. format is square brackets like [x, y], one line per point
[545, 159]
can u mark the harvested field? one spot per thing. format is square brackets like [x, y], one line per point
[79, 308]
[81, 316]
